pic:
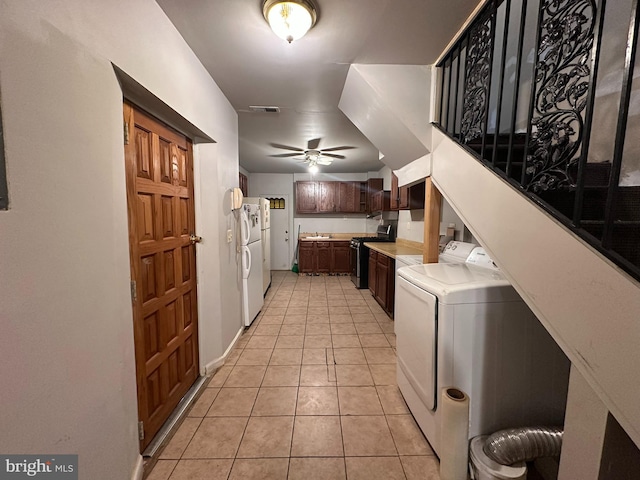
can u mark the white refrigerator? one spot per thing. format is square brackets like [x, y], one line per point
[266, 239]
[251, 253]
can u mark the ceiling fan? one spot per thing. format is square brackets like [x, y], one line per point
[312, 155]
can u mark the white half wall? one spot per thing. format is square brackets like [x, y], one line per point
[587, 304]
[67, 369]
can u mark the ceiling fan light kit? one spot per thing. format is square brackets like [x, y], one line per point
[290, 20]
[313, 155]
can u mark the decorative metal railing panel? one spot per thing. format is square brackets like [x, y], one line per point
[478, 76]
[560, 94]
[540, 59]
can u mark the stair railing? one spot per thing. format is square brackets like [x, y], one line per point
[525, 89]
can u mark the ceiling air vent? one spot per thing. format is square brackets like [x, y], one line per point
[263, 109]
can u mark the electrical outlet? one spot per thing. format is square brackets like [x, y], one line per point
[229, 236]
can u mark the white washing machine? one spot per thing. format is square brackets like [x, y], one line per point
[463, 325]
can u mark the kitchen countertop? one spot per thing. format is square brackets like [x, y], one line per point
[332, 239]
[393, 249]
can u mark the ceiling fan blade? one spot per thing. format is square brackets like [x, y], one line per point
[333, 155]
[333, 149]
[313, 143]
[285, 155]
[286, 147]
[326, 161]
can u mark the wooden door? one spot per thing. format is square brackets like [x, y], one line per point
[306, 197]
[159, 166]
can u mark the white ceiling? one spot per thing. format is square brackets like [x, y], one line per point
[305, 79]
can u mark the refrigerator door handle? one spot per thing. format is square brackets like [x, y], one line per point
[246, 262]
[246, 231]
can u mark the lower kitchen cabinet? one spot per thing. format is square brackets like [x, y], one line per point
[373, 261]
[306, 257]
[324, 257]
[340, 257]
[323, 252]
[382, 279]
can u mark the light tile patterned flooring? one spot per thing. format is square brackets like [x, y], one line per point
[309, 392]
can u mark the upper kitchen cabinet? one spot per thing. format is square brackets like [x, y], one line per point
[381, 201]
[335, 197]
[394, 201]
[306, 197]
[374, 186]
[351, 197]
[327, 196]
[407, 197]
[411, 197]
[244, 184]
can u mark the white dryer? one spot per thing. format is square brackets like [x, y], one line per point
[463, 325]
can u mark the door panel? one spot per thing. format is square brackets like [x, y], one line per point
[159, 168]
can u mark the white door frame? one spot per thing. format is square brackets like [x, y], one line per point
[292, 235]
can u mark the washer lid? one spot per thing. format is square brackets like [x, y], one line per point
[455, 283]
[408, 260]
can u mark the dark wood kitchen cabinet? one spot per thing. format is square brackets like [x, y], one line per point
[336, 197]
[395, 193]
[373, 262]
[349, 195]
[340, 257]
[374, 185]
[411, 198]
[327, 196]
[380, 201]
[382, 271]
[306, 197]
[244, 184]
[306, 257]
[324, 257]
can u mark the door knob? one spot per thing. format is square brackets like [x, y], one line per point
[193, 238]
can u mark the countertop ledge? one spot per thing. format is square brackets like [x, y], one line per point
[334, 236]
[392, 249]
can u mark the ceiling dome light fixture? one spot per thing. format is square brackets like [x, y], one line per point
[290, 20]
[313, 168]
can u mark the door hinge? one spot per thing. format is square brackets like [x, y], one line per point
[134, 292]
[141, 430]
[126, 133]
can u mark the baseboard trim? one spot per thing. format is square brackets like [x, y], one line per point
[138, 470]
[214, 365]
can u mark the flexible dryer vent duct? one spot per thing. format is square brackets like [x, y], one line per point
[523, 444]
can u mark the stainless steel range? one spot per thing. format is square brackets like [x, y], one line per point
[360, 254]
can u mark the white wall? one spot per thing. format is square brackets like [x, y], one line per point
[67, 369]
